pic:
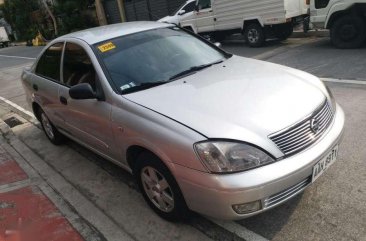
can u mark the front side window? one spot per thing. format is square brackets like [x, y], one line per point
[204, 4]
[78, 67]
[190, 7]
[154, 56]
[48, 65]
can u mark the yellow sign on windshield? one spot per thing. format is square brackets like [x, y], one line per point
[106, 47]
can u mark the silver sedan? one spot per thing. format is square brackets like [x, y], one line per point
[199, 128]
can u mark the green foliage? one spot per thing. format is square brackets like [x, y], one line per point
[73, 15]
[18, 14]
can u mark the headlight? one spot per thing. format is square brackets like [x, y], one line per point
[225, 157]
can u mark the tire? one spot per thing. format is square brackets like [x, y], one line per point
[254, 35]
[50, 130]
[348, 32]
[151, 174]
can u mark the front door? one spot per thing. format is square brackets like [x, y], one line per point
[86, 120]
[204, 17]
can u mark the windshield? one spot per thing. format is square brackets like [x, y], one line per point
[154, 57]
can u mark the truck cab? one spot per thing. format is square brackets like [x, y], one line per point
[186, 11]
[346, 20]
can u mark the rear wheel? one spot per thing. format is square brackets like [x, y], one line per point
[50, 130]
[254, 35]
[348, 32]
[159, 188]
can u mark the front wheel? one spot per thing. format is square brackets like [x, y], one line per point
[159, 188]
[254, 35]
[348, 32]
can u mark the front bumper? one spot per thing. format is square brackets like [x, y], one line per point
[214, 195]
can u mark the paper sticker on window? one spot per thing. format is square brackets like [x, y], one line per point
[106, 47]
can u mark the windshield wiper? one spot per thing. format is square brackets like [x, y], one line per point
[143, 86]
[193, 69]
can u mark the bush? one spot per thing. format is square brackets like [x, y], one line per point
[18, 14]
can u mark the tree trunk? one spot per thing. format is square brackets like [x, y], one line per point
[52, 16]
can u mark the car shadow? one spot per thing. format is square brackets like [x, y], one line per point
[269, 223]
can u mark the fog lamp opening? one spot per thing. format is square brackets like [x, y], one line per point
[246, 208]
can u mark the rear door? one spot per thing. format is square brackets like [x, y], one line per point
[204, 16]
[86, 120]
[46, 81]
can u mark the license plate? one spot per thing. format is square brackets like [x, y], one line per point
[325, 163]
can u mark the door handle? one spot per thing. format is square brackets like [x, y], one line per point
[35, 87]
[63, 100]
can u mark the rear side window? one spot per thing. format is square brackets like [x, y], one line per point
[78, 67]
[49, 64]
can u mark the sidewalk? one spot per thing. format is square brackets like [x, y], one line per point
[71, 194]
[26, 213]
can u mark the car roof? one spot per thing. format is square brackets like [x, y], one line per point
[100, 34]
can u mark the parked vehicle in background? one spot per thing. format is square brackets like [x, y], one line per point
[4, 39]
[257, 20]
[185, 11]
[346, 20]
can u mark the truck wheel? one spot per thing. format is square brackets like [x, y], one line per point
[254, 35]
[6, 44]
[348, 32]
[159, 188]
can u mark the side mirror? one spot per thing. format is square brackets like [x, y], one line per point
[82, 92]
[218, 44]
[181, 12]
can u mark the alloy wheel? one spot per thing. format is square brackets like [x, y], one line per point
[157, 189]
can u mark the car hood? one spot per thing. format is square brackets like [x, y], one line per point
[169, 19]
[241, 99]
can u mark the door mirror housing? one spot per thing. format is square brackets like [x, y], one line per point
[82, 92]
[181, 12]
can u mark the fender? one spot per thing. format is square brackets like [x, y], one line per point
[190, 25]
[338, 7]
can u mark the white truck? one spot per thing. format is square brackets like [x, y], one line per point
[257, 20]
[346, 20]
[4, 39]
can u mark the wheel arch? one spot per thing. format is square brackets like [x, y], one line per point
[134, 151]
[247, 22]
[36, 107]
[356, 9]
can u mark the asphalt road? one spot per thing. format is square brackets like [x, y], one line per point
[334, 207]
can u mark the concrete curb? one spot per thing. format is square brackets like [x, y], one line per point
[89, 221]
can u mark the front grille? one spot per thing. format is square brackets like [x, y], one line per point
[304, 133]
[286, 194]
